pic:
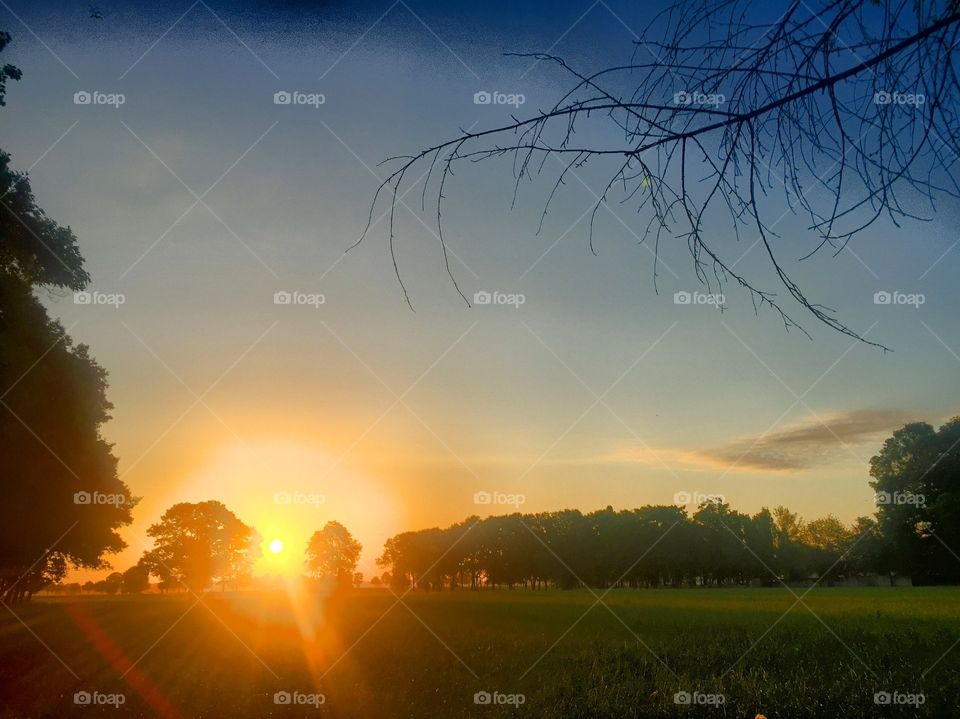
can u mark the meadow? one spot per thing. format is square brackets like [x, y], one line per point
[547, 653]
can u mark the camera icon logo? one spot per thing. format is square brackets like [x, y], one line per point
[482, 498]
[282, 98]
[282, 298]
[882, 298]
[483, 698]
[282, 498]
[683, 698]
[282, 698]
[82, 497]
[482, 98]
[883, 698]
[883, 497]
[482, 298]
[682, 98]
[82, 97]
[882, 98]
[82, 698]
[682, 298]
[682, 498]
[82, 298]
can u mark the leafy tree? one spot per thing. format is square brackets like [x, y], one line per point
[136, 579]
[917, 479]
[200, 544]
[54, 403]
[111, 585]
[866, 550]
[7, 72]
[332, 553]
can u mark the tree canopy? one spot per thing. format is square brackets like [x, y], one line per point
[200, 544]
[332, 553]
[61, 498]
[650, 546]
[917, 479]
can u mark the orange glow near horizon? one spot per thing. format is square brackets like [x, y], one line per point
[285, 489]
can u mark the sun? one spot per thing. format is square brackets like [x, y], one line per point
[275, 546]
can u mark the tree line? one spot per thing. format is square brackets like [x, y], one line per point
[915, 478]
[915, 532]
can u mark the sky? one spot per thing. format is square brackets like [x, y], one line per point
[199, 198]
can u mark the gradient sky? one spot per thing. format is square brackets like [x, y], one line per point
[397, 417]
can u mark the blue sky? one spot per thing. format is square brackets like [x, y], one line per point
[398, 417]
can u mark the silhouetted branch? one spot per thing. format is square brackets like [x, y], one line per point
[852, 109]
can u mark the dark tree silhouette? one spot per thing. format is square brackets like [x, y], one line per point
[111, 584]
[54, 403]
[136, 579]
[197, 545]
[652, 546]
[917, 479]
[8, 71]
[332, 553]
[847, 109]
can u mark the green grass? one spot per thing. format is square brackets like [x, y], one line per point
[227, 656]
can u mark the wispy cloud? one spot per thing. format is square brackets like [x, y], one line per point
[805, 444]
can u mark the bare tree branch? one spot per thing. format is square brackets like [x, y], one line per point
[849, 108]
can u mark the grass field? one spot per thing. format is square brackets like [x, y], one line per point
[428, 656]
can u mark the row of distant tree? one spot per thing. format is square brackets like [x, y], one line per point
[914, 532]
[202, 545]
[916, 477]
